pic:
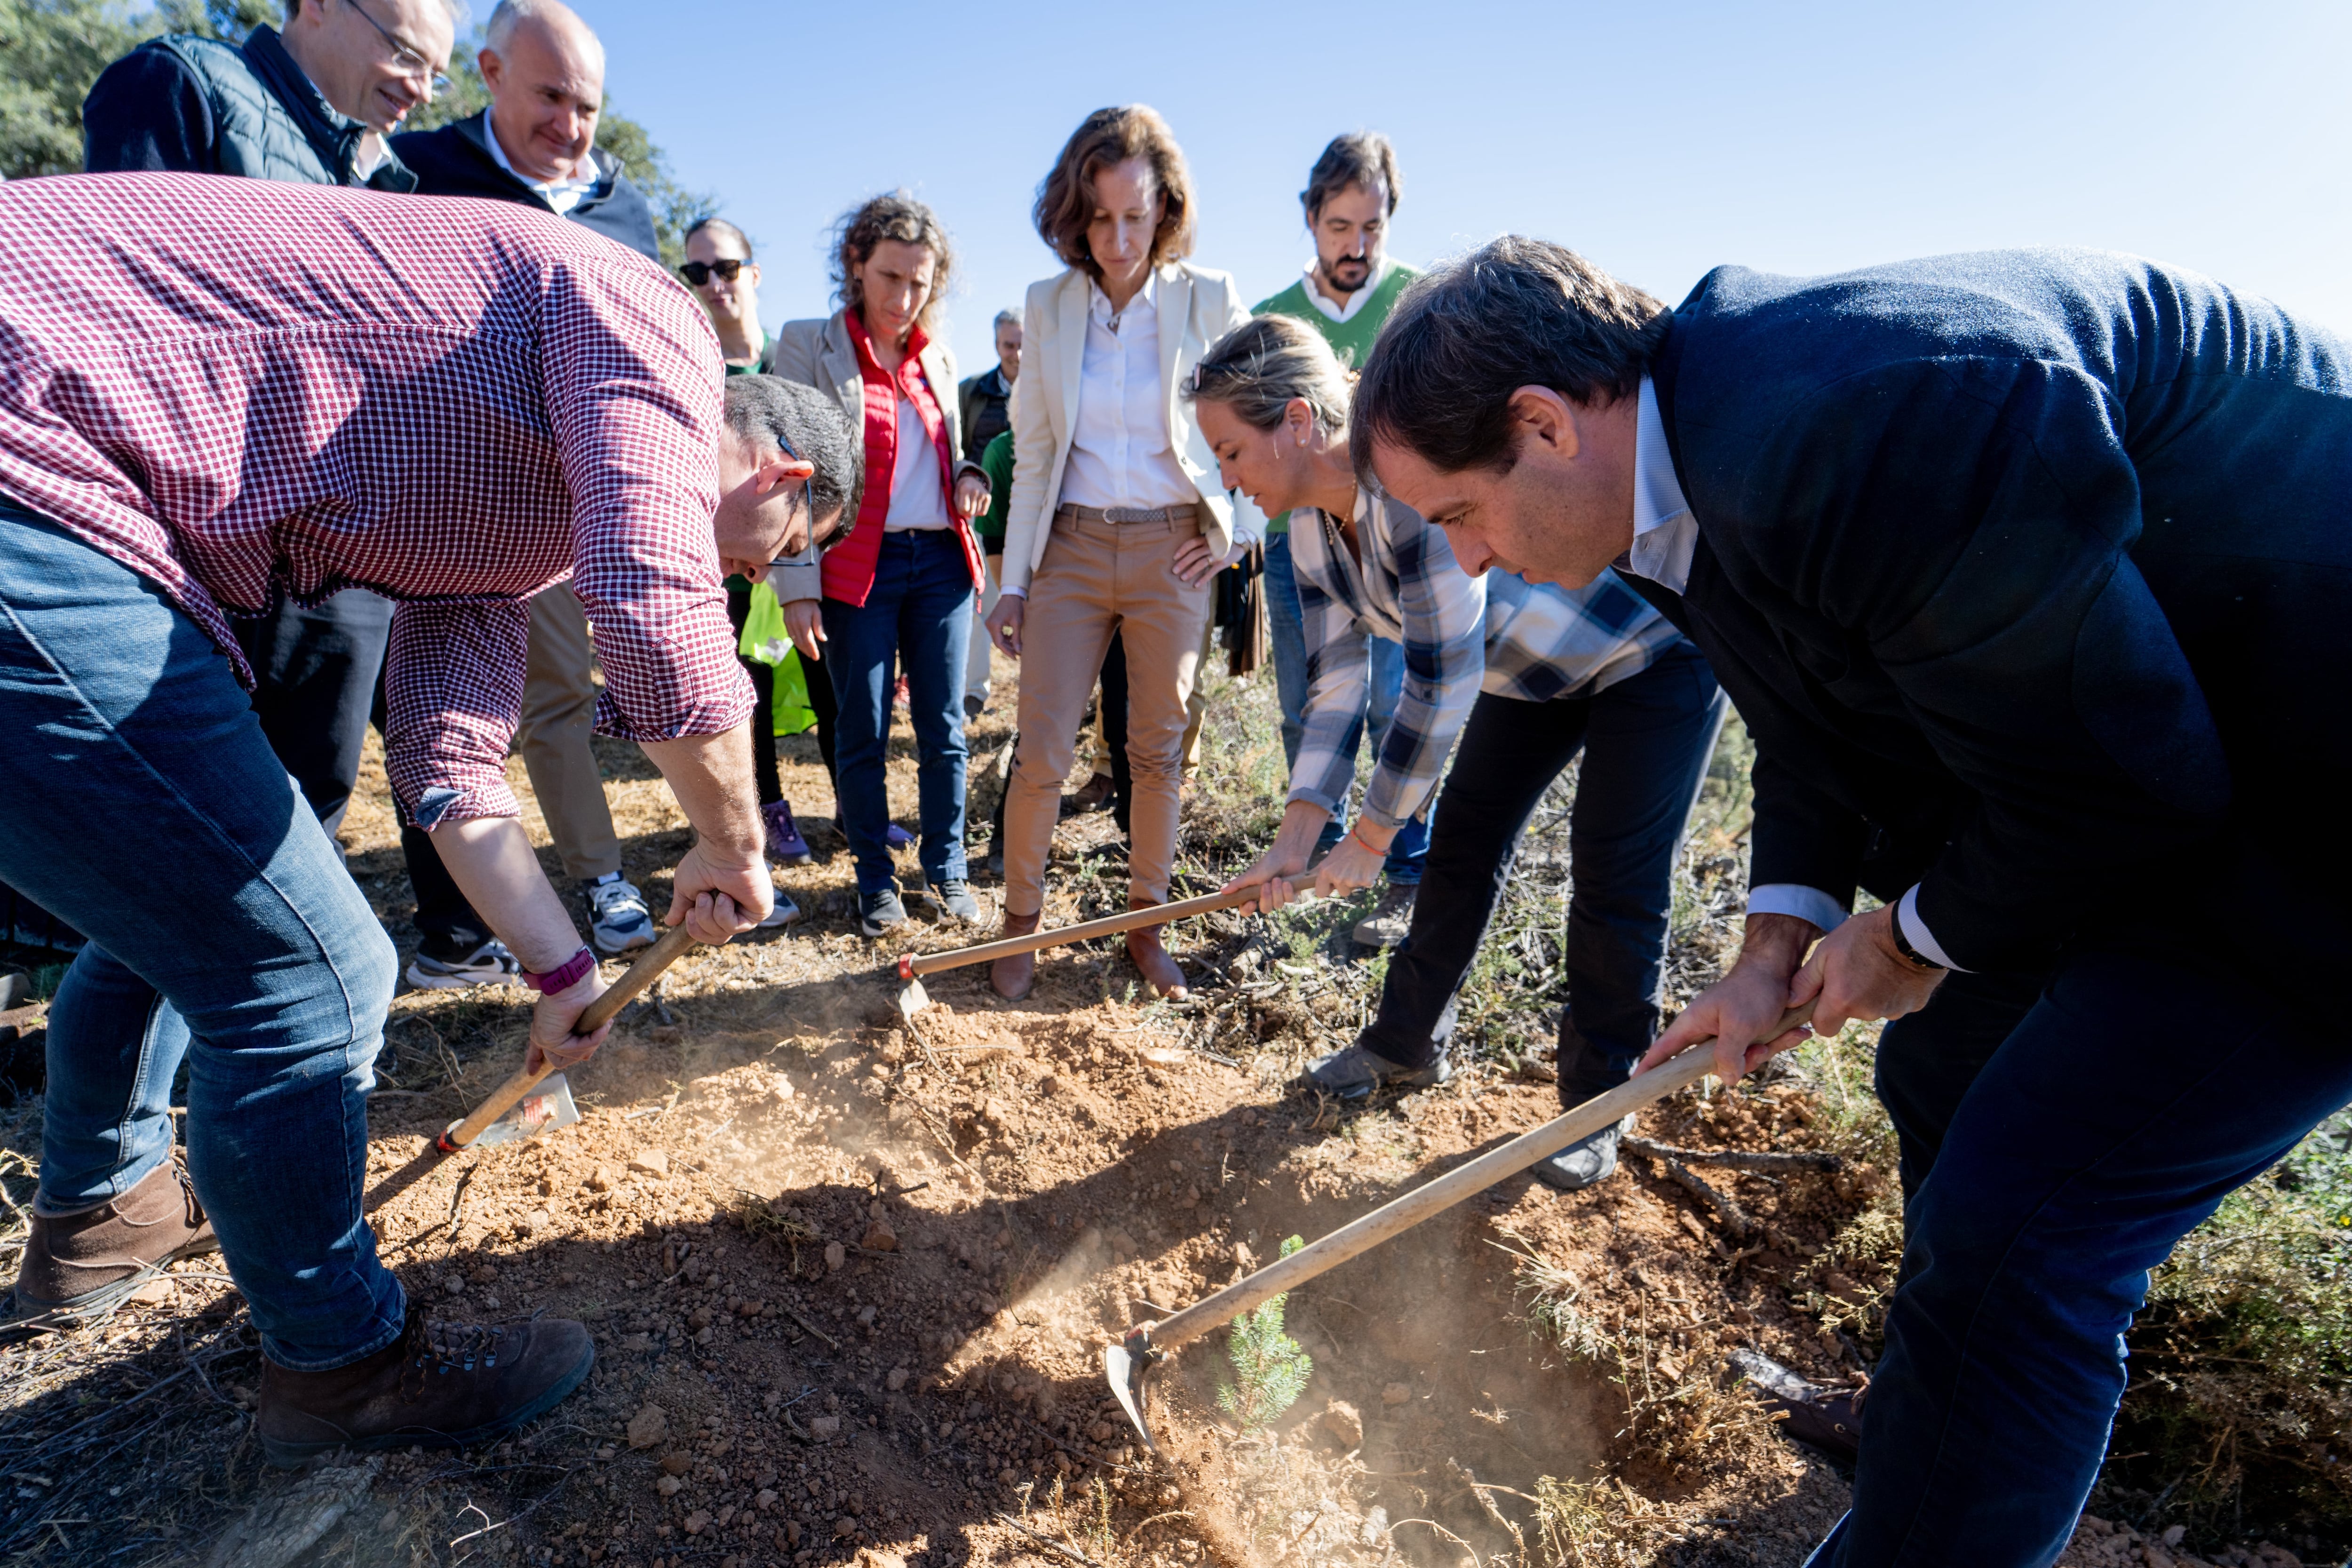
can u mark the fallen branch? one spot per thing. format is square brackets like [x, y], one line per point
[1737, 1218]
[1741, 1159]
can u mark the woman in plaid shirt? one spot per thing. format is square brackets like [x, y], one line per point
[1526, 675]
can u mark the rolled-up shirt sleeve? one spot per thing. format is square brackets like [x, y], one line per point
[634, 398]
[1444, 616]
[453, 695]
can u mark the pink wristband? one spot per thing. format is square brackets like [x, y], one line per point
[565, 975]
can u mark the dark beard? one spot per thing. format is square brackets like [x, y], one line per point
[1335, 285]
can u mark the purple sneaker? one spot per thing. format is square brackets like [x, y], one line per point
[893, 836]
[785, 844]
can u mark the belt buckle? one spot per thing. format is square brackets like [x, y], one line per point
[1134, 514]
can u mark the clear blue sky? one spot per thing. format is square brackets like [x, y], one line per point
[1659, 140]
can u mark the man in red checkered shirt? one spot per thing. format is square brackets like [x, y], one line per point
[214, 392]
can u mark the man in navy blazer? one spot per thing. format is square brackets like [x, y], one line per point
[2030, 573]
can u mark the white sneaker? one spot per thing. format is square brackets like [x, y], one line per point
[784, 914]
[489, 965]
[618, 918]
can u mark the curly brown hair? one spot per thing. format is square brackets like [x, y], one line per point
[1066, 202]
[894, 217]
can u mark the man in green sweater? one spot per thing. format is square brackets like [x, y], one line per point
[1346, 293]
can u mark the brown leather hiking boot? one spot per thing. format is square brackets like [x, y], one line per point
[77, 1267]
[1144, 950]
[1011, 977]
[442, 1388]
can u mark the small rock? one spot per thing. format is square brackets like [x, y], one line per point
[2172, 1534]
[1343, 1425]
[825, 1428]
[880, 1238]
[537, 1219]
[154, 1293]
[2156, 1557]
[675, 1463]
[792, 1533]
[866, 1314]
[697, 1521]
[603, 1179]
[1101, 1432]
[845, 1527]
[648, 1426]
[896, 1380]
[454, 1284]
[765, 1501]
[835, 1254]
[636, 1342]
[652, 1163]
[1395, 1393]
[483, 1274]
[699, 1319]
[669, 1486]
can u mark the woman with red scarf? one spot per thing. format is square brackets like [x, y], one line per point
[897, 593]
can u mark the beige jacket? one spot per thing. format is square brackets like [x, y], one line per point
[818, 352]
[1196, 306]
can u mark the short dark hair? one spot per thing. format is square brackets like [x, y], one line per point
[769, 411]
[898, 216]
[1470, 332]
[1359, 158]
[1066, 202]
[718, 225]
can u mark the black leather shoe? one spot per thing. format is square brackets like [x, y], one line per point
[1583, 1164]
[1352, 1074]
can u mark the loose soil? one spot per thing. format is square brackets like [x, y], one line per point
[850, 1278]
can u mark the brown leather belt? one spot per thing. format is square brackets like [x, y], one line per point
[1187, 512]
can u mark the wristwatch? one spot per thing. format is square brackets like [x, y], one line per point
[1911, 956]
[568, 974]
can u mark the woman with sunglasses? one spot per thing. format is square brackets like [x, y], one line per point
[897, 593]
[1117, 521]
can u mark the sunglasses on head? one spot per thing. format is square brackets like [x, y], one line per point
[700, 272]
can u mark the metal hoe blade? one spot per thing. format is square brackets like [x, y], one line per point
[547, 1107]
[1124, 1365]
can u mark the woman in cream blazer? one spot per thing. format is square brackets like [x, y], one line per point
[1117, 521]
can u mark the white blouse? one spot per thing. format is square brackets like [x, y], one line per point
[1120, 451]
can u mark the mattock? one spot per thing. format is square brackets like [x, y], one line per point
[489, 1123]
[1147, 1344]
[912, 967]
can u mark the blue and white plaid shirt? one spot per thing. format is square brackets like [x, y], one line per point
[1530, 642]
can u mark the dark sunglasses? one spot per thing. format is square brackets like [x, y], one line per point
[698, 273]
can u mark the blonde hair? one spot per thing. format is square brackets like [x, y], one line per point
[1257, 370]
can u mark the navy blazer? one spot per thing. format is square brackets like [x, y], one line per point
[2031, 574]
[457, 161]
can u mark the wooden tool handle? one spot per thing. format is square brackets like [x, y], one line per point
[911, 964]
[600, 1012]
[1361, 1236]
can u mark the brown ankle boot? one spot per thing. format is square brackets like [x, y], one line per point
[77, 1266]
[1144, 950]
[441, 1387]
[1011, 977]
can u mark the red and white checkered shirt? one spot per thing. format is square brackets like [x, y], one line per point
[240, 387]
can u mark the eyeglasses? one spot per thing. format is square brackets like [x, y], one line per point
[411, 63]
[808, 506]
[700, 272]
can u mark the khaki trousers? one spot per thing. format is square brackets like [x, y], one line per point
[559, 712]
[1097, 578]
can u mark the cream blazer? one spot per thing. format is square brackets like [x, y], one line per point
[1195, 306]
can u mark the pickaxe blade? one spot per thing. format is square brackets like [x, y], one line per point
[1124, 1365]
[912, 998]
[543, 1109]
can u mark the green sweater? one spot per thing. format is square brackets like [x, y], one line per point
[1351, 340]
[996, 462]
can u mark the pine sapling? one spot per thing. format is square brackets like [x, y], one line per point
[1270, 1369]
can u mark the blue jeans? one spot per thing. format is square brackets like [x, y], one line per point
[919, 615]
[1646, 741]
[140, 801]
[2061, 1144]
[1409, 850]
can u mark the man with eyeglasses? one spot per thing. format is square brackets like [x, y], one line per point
[312, 105]
[535, 144]
[224, 389]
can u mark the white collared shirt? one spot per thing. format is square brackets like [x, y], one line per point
[1344, 313]
[562, 194]
[1665, 536]
[1120, 449]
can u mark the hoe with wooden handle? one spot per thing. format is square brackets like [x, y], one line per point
[912, 967]
[1147, 1344]
[482, 1123]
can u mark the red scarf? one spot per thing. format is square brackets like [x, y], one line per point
[849, 569]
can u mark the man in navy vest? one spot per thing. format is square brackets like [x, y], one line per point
[2029, 573]
[535, 144]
